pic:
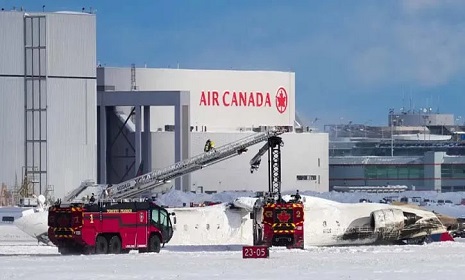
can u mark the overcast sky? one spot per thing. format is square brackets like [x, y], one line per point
[353, 59]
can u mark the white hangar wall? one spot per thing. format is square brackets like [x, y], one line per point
[12, 130]
[71, 100]
[47, 65]
[72, 134]
[12, 145]
[303, 154]
[221, 100]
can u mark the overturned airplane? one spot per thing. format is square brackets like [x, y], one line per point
[327, 223]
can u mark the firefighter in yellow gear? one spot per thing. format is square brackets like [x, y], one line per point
[209, 145]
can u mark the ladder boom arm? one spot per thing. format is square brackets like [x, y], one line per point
[256, 160]
[273, 147]
[157, 178]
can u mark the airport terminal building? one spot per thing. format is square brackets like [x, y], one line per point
[421, 150]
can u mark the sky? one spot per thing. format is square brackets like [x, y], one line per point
[353, 60]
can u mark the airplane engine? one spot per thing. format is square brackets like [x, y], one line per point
[388, 223]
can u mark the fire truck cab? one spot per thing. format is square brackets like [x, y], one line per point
[112, 228]
[279, 224]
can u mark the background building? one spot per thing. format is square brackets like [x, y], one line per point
[421, 150]
[433, 171]
[224, 106]
[221, 100]
[47, 100]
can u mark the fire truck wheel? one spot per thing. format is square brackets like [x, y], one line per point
[101, 245]
[114, 247]
[154, 244]
[68, 251]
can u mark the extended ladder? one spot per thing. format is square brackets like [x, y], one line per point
[154, 179]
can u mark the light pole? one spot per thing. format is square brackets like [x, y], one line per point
[349, 128]
[394, 122]
[391, 114]
[424, 127]
[365, 127]
[337, 126]
[392, 138]
[313, 124]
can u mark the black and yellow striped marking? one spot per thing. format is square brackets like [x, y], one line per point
[63, 232]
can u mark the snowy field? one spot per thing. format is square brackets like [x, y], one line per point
[432, 261]
[22, 258]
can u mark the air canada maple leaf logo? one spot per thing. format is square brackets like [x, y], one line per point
[281, 100]
[283, 217]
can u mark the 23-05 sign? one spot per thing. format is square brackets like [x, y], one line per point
[255, 252]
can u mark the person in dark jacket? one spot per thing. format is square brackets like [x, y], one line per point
[280, 200]
[92, 198]
[297, 196]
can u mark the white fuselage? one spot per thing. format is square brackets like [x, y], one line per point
[325, 222]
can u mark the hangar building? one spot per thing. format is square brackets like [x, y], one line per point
[47, 100]
[224, 106]
[51, 125]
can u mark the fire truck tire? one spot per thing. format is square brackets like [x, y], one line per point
[114, 246]
[101, 245]
[154, 244]
[258, 238]
[68, 251]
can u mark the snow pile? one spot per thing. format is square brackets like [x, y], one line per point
[175, 198]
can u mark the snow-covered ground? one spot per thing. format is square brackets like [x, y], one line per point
[22, 258]
[432, 261]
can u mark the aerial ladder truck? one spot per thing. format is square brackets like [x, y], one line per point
[276, 222]
[114, 224]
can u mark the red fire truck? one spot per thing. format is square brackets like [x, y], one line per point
[275, 221]
[108, 226]
[283, 225]
[112, 228]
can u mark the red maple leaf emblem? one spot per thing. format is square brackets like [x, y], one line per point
[283, 217]
[281, 100]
